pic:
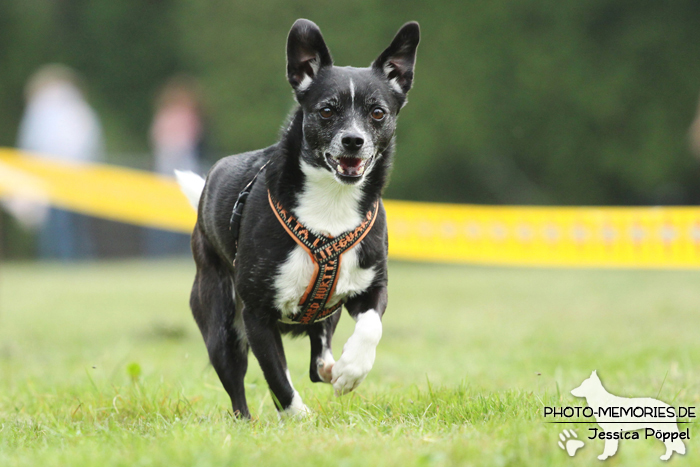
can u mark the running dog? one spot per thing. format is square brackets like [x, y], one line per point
[287, 235]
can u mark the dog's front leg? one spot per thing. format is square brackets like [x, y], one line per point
[322, 361]
[266, 342]
[359, 351]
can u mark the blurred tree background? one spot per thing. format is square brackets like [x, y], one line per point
[515, 101]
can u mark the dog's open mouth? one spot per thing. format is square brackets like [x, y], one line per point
[348, 166]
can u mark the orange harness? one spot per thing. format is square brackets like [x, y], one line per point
[326, 254]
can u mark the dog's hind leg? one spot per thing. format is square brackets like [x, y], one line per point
[266, 342]
[322, 361]
[214, 310]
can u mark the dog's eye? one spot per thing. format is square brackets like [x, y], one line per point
[326, 112]
[377, 114]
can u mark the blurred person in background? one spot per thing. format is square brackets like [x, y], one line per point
[59, 124]
[177, 137]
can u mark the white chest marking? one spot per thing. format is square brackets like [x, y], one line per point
[327, 206]
[295, 274]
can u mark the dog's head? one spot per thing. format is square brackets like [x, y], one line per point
[590, 386]
[349, 113]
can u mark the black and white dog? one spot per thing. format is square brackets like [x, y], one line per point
[327, 173]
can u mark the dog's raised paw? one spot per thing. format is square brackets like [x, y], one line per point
[568, 442]
[345, 383]
[351, 370]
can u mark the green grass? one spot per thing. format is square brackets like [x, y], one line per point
[101, 364]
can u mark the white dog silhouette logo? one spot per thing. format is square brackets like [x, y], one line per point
[617, 415]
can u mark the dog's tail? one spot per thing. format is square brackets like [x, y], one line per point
[191, 185]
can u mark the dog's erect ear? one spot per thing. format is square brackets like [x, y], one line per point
[398, 60]
[306, 54]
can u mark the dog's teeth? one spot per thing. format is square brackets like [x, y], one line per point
[340, 170]
[361, 170]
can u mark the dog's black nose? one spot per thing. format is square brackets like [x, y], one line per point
[352, 142]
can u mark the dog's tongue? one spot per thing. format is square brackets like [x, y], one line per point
[350, 165]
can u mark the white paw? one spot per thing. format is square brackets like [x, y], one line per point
[297, 409]
[351, 370]
[358, 354]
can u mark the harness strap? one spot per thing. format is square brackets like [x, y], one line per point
[237, 213]
[326, 255]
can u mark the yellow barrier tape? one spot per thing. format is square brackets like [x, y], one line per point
[667, 237]
[114, 193]
[647, 237]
